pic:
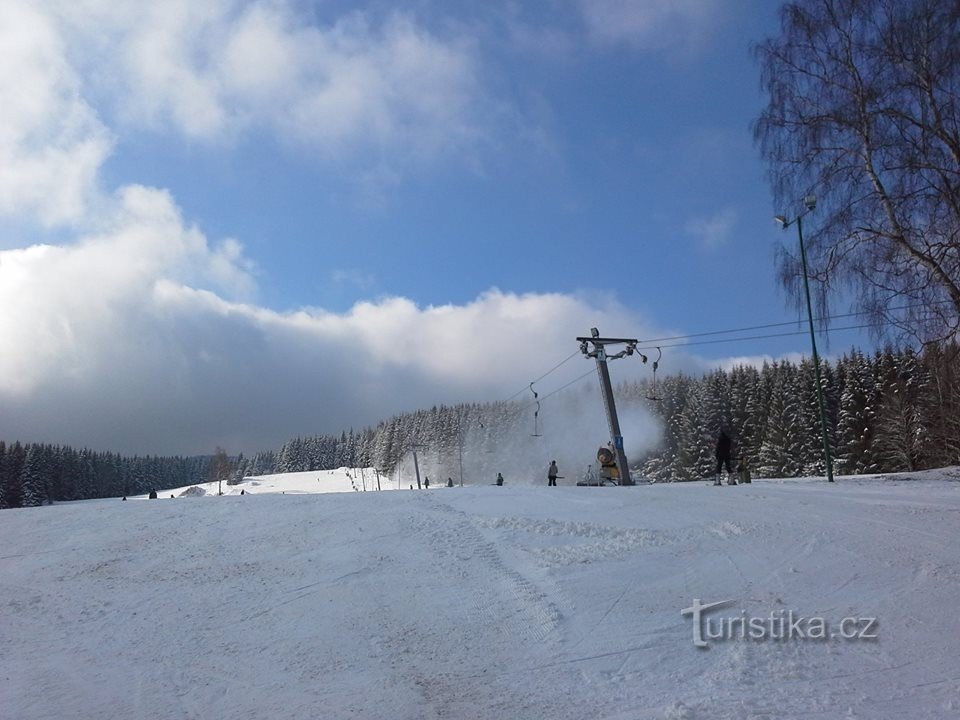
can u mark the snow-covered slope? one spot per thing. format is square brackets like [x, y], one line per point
[484, 602]
[315, 481]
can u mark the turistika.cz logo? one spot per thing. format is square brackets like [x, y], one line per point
[779, 625]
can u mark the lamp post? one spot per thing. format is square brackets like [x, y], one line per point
[810, 201]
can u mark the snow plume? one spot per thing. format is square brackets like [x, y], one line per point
[572, 425]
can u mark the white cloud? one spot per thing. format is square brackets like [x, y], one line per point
[215, 69]
[713, 232]
[51, 142]
[649, 24]
[141, 337]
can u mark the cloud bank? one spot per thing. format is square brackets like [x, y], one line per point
[136, 332]
[137, 338]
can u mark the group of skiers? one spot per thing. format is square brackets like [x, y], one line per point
[552, 474]
[723, 453]
[426, 483]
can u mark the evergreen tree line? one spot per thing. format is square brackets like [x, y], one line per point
[891, 411]
[35, 474]
[888, 412]
[38, 474]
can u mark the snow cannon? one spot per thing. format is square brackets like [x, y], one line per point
[608, 465]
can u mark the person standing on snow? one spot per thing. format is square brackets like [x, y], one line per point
[499, 479]
[426, 483]
[723, 457]
[552, 473]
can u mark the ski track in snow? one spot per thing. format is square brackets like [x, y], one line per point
[484, 602]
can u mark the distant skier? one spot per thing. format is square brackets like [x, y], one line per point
[426, 483]
[743, 471]
[552, 473]
[723, 456]
[449, 482]
[499, 479]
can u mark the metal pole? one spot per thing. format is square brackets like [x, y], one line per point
[460, 439]
[416, 468]
[611, 408]
[816, 358]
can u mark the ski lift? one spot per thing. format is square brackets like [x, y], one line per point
[656, 364]
[536, 413]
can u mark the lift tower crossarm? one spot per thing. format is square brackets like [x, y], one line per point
[599, 352]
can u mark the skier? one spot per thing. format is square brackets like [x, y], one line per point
[723, 458]
[449, 482]
[499, 479]
[552, 473]
[426, 483]
[743, 471]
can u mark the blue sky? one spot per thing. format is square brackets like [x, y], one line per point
[606, 149]
[235, 222]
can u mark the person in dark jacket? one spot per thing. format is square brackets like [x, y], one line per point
[723, 457]
[552, 473]
[449, 482]
[499, 479]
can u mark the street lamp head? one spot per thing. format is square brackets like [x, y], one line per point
[781, 220]
[810, 201]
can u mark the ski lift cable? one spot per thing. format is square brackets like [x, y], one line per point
[701, 342]
[753, 337]
[555, 367]
[562, 387]
[650, 346]
[773, 325]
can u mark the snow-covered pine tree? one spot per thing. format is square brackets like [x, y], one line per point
[776, 457]
[806, 436]
[33, 477]
[902, 434]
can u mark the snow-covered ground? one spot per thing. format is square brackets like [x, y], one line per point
[315, 481]
[484, 602]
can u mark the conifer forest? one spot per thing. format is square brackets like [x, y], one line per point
[893, 411]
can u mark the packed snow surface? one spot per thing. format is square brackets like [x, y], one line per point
[506, 602]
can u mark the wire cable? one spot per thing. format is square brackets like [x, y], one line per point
[555, 367]
[779, 324]
[751, 337]
[562, 387]
[700, 342]
[648, 344]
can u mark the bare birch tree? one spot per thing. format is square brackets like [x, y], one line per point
[863, 102]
